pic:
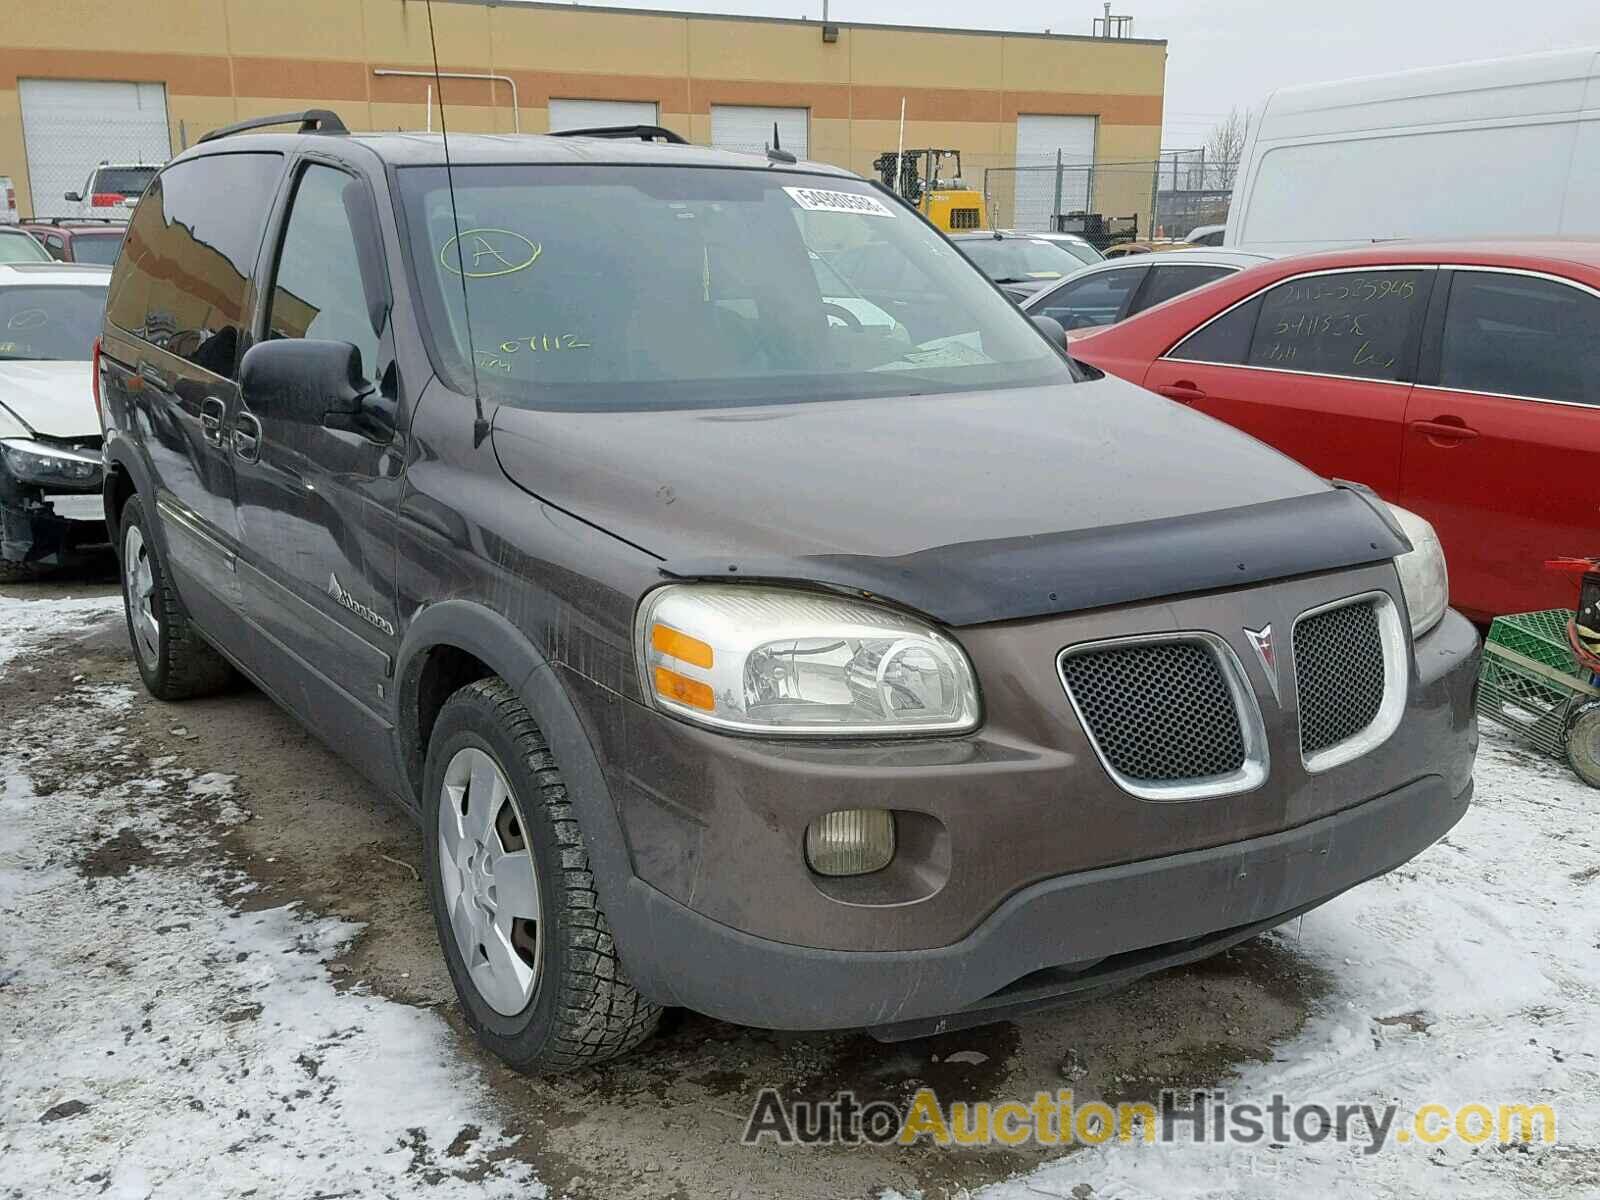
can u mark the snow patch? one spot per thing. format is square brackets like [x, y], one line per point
[154, 1040]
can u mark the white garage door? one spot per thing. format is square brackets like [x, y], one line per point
[749, 127]
[1038, 139]
[69, 125]
[595, 114]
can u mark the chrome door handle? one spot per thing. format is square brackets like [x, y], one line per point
[212, 411]
[247, 437]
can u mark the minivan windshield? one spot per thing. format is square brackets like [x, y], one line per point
[664, 286]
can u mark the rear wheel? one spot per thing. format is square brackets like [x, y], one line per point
[174, 661]
[512, 894]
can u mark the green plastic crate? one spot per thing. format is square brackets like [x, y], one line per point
[1530, 680]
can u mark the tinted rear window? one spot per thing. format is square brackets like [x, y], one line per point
[188, 254]
[101, 248]
[125, 181]
[1517, 335]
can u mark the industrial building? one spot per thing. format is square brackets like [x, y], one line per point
[84, 81]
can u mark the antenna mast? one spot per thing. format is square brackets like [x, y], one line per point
[480, 427]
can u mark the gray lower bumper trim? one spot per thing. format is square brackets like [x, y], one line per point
[1095, 921]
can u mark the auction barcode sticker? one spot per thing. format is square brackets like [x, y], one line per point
[817, 200]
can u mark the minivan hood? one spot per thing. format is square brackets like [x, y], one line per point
[52, 399]
[971, 507]
[886, 479]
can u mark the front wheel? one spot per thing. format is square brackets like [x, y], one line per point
[512, 894]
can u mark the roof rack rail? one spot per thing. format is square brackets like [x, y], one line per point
[645, 133]
[73, 221]
[312, 120]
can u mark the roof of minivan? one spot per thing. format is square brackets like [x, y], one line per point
[472, 149]
[1542, 68]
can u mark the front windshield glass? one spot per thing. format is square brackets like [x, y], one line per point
[19, 247]
[50, 322]
[632, 287]
[1017, 260]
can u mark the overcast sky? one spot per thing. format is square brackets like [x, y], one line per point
[1226, 52]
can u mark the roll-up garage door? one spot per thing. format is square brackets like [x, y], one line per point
[70, 125]
[595, 114]
[1038, 140]
[749, 127]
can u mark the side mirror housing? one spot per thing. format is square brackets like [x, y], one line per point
[75, 197]
[304, 381]
[1052, 329]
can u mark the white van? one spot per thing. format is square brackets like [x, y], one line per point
[1509, 146]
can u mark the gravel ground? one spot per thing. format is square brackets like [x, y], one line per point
[218, 977]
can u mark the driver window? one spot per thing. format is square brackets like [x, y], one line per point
[317, 292]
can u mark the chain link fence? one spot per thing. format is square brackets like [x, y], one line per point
[1162, 198]
[1192, 189]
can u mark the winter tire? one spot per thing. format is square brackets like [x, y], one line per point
[174, 661]
[512, 894]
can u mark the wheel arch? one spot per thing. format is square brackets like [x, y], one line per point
[455, 642]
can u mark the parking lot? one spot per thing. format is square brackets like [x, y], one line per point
[614, 604]
[220, 978]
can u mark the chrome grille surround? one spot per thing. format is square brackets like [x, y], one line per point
[1141, 735]
[1343, 716]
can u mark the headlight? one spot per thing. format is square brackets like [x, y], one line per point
[1423, 577]
[50, 466]
[768, 660]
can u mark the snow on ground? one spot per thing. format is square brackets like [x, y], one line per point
[1488, 947]
[154, 1040]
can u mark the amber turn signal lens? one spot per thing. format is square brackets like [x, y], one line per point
[680, 646]
[684, 690]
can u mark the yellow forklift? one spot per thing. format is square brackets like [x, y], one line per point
[931, 180]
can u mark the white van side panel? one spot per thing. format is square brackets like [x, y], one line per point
[1462, 183]
[1480, 149]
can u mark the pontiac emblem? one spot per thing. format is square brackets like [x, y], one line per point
[1261, 643]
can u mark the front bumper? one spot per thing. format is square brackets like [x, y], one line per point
[52, 529]
[1058, 940]
[1024, 874]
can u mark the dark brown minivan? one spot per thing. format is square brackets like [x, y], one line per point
[758, 613]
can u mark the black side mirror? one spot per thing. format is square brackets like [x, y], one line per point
[1052, 329]
[304, 381]
[75, 197]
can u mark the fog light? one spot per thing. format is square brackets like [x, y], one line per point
[851, 841]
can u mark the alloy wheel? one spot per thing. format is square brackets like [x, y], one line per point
[490, 881]
[139, 583]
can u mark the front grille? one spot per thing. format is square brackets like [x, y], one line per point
[963, 218]
[1159, 712]
[1339, 669]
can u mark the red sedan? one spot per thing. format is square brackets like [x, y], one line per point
[1461, 381]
